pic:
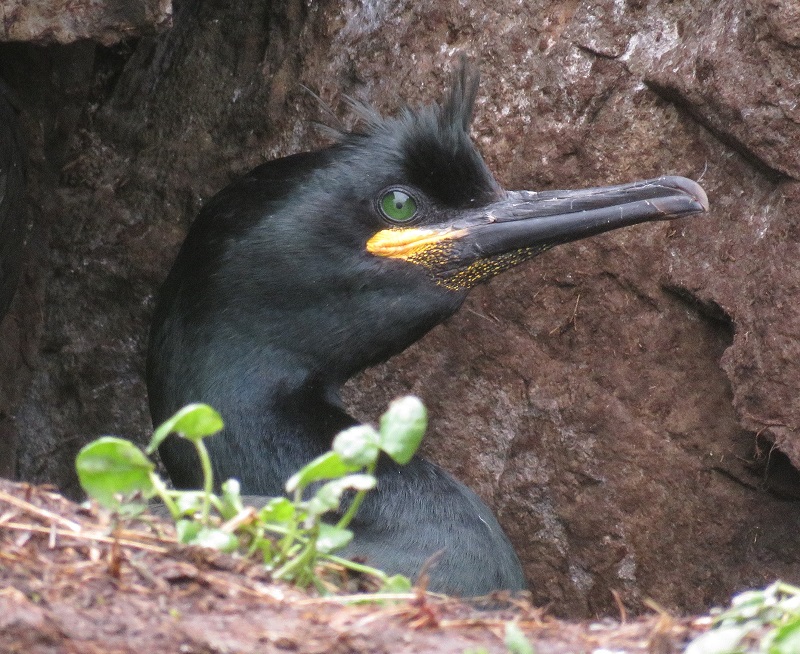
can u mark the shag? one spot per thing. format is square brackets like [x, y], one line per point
[316, 266]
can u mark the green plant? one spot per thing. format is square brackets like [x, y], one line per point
[515, 640]
[289, 534]
[758, 621]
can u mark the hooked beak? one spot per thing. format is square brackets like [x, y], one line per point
[483, 242]
[530, 219]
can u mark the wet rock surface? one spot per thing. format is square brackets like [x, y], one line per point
[65, 21]
[14, 228]
[615, 401]
[13, 216]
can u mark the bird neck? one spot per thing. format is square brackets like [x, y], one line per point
[313, 412]
[277, 419]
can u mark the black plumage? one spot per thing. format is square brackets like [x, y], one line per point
[315, 266]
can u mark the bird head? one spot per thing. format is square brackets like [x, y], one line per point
[445, 213]
[343, 257]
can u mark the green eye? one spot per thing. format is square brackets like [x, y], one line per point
[398, 206]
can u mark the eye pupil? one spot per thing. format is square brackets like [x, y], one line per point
[398, 206]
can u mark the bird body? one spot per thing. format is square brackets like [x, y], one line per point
[316, 266]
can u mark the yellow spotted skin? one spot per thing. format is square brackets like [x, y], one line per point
[464, 278]
[433, 250]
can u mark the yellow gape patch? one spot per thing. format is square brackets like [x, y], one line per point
[433, 250]
[409, 243]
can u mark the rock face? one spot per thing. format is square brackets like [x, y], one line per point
[13, 212]
[14, 226]
[66, 21]
[615, 400]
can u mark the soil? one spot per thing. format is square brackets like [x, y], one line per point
[71, 582]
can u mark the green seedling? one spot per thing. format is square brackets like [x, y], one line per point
[758, 622]
[515, 640]
[291, 533]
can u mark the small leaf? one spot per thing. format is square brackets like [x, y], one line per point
[109, 467]
[266, 547]
[786, 638]
[790, 604]
[327, 466]
[515, 640]
[190, 502]
[216, 539]
[750, 599]
[402, 428]
[231, 499]
[187, 530]
[358, 446]
[396, 584]
[194, 421]
[278, 509]
[332, 538]
[720, 640]
[329, 496]
[314, 508]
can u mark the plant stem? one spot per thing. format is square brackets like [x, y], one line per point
[303, 562]
[163, 493]
[290, 535]
[357, 567]
[360, 495]
[208, 479]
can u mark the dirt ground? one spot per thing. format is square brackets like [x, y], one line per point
[68, 585]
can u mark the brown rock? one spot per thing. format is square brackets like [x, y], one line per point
[605, 398]
[66, 21]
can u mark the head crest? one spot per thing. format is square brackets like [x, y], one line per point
[428, 147]
[457, 108]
